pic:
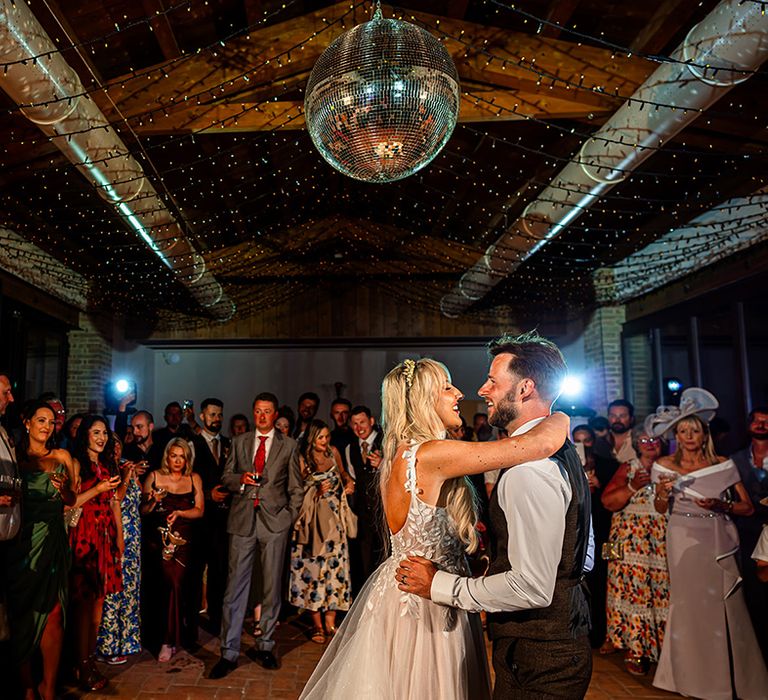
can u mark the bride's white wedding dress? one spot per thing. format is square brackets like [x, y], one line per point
[399, 646]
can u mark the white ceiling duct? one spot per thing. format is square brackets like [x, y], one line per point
[728, 228]
[49, 93]
[731, 42]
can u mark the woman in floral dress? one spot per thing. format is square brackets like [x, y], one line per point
[320, 553]
[119, 634]
[638, 580]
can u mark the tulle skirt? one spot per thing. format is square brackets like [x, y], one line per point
[396, 646]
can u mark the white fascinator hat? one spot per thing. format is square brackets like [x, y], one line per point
[693, 402]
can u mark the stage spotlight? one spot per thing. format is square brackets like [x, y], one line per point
[571, 398]
[572, 387]
[115, 391]
[672, 388]
[674, 385]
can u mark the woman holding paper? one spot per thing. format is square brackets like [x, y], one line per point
[709, 644]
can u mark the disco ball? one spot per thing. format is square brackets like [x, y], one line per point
[382, 100]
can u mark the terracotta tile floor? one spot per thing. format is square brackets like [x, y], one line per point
[184, 678]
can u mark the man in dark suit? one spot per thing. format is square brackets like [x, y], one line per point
[211, 450]
[143, 448]
[363, 456]
[263, 475]
[309, 402]
[342, 434]
[752, 463]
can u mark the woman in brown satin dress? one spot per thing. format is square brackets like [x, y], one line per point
[173, 501]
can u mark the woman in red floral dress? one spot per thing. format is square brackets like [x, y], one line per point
[96, 540]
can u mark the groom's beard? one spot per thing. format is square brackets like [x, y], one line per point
[504, 413]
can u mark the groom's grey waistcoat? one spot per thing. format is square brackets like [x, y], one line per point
[568, 614]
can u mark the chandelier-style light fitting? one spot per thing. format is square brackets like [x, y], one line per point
[382, 100]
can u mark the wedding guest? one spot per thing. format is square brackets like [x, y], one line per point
[70, 430]
[309, 402]
[49, 397]
[120, 632]
[709, 649]
[36, 602]
[363, 458]
[285, 415]
[173, 500]
[599, 470]
[341, 435]
[319, 579]
[174, 426]
[638, 579]
[96, 540]
[144, 448]
[211, 450]
[600, 426]
[752, 463]
[238, 424]
[617, 444]
[262, 473]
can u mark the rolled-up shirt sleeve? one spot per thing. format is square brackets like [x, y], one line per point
[534, 498]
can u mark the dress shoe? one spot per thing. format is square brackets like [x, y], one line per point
[266, 658]
[222, 668]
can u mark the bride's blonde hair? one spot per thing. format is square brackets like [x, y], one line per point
[409, 395]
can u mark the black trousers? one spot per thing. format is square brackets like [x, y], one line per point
[541, 669]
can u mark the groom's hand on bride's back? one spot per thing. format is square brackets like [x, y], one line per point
[414, 575]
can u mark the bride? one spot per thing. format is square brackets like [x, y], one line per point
[394, 645]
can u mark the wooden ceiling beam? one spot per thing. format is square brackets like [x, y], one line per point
[559, 12]
[161, 27]
[478, 106]
[517, 61]
[665, 23]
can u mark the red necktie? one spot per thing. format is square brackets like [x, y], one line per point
[258, 464]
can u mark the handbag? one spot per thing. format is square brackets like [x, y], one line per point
[612, 551]
[348, 518]
[72, 517]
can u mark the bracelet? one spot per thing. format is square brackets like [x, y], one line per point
[631, 488]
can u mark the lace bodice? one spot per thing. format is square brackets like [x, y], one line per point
[428, 532]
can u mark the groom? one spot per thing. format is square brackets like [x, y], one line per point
[539, 512]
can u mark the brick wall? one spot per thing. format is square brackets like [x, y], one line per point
[640, 368]
[90, 365]
[602, 353]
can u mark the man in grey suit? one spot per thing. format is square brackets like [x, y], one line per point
[263, 474]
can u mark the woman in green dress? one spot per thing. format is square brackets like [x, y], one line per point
[38, 559]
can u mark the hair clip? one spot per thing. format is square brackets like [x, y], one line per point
[409, 367]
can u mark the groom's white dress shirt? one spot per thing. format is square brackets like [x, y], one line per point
[534, 497]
